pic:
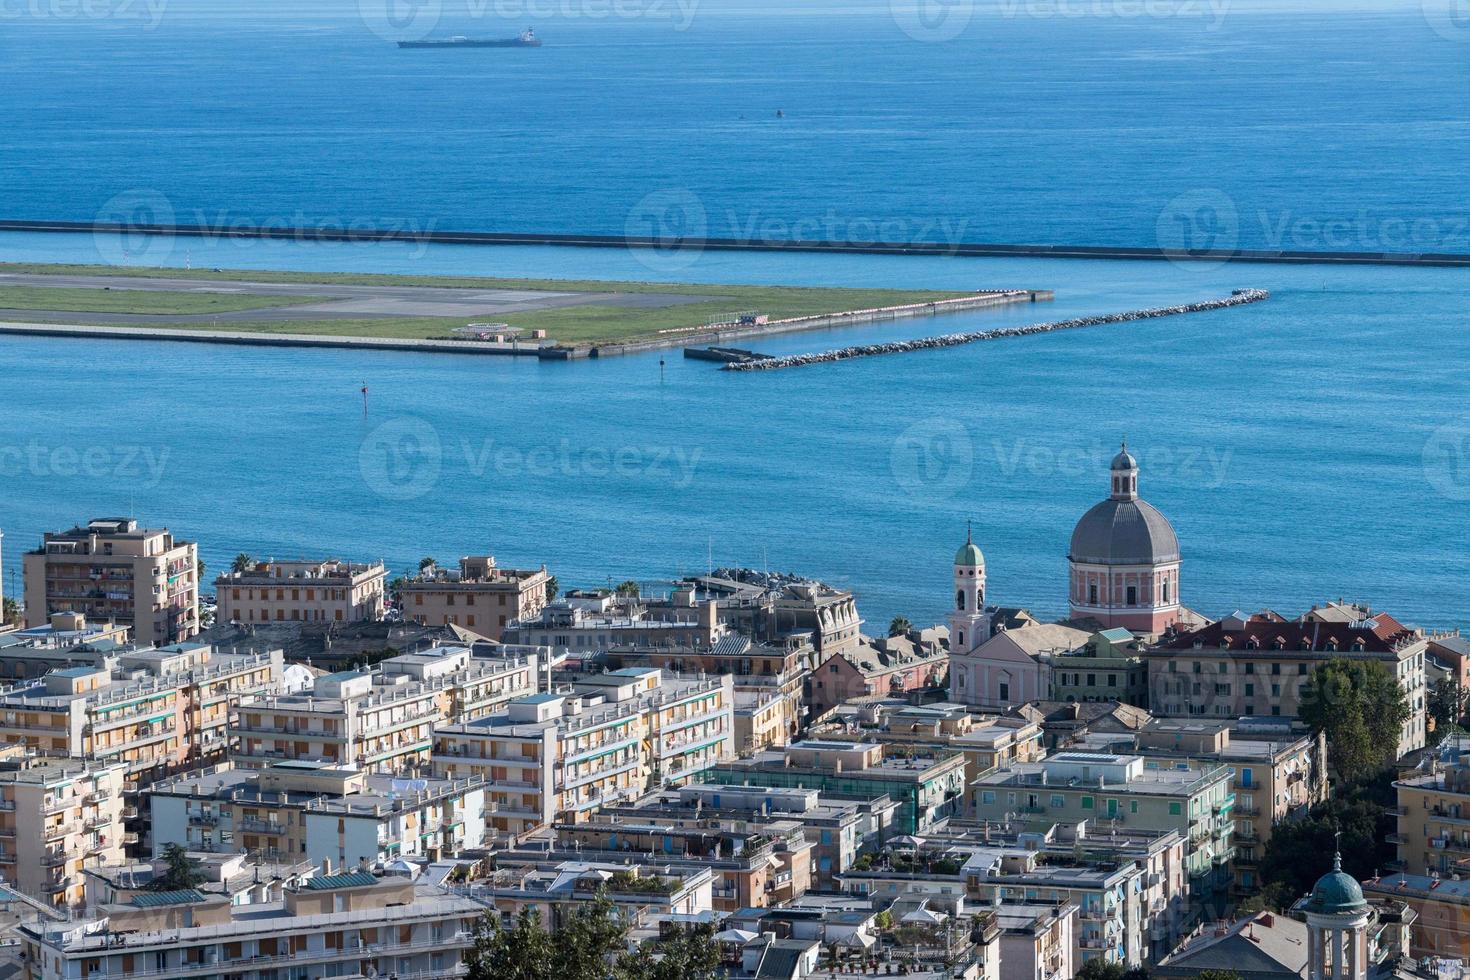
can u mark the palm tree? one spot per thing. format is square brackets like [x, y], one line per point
[425, 564]
[899, 626]
[242, 563]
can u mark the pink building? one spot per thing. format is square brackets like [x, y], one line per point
[1124, 559]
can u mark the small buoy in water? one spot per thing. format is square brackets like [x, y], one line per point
[780, 114]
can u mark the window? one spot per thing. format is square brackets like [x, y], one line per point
[1174, 809]
[1166, 590]
[1132, 595]
[1250, 690]
[1092, 595]
[959, 600]
[1087, 803]
[1005, 691]
[1198, 667]
[1058, 801]
[1301, 670]
[987, 796]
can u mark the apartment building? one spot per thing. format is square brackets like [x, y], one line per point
[583, 626]
[304, 811]
[330, 591]
[878, 668]
[58, 817]
[927, 785]
[67, 640]
[559, 755]
[1107, 668]
[113, 570]
[157, 710]
[349, 924]
[840, 830]
[1123, 790]
[1037, 942]
[643, 895]
[774, 676]
[753, 868]
[478, 596]
[1433, 836]
[1278, 773]
[986, 741]
[776, 609]
[1263, 664]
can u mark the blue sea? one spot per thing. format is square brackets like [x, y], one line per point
[1313, 447]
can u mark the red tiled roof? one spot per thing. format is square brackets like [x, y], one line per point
[1378, 634]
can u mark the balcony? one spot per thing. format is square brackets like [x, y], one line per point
[254, 825]
[204, 819]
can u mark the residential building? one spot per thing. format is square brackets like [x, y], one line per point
[243, 879]
[113, 570]
[68, 640]
[840, 830]
[331, 591]
[1439, 907]
[1278, 769]
[753, 867]
[1077, 786]
[763, 718]
[585, 626]
[1068, 723]
[479, 596]
[1037, 942]
[986, 741]
[158, 710]
[1263, 664]
[381, 720]
[1433, 835]
[773, 675]
[58, 817]
[878, 668]
[305, 811]
[928, 786]
[772, 609]
[558, 889]
[1107, 668]
[601, 739]
[352, 924]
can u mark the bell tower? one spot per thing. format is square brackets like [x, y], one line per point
[968, 624]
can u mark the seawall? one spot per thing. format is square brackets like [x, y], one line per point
[969, 249]
[1238, 298]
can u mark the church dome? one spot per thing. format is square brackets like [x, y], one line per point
[1124, 532]
[1336, 892]
[970, 556]
[1124, 460]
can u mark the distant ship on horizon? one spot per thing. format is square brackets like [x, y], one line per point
[527, 39]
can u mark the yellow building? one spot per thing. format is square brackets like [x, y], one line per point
[479, 596]
[330, 591]
[114, 570]
[1434, 814]
[58, 817]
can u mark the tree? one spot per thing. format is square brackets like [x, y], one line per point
[553, 588]
[10, 613]
[1299, 851]
[425, 564]
[199, 568]
[899, 626]
[181, 872]
[1446, 707]
[523, 952]
[242, 563]
[1098, 968]
[629, 589]
[589, 936]
[691, 955]
[1218, 975]
[1361, 707]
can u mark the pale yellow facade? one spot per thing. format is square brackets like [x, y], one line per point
[329, 591]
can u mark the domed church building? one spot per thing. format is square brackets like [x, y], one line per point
[1124, 559]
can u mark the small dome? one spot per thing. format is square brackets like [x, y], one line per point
[1124, 532]
[1337, 891]
[970, 556]
[1124, 460]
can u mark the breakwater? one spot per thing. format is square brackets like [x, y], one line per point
[329, 233]
[1239, 297]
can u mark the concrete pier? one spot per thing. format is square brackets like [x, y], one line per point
[1239, 297]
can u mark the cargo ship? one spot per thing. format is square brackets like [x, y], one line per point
[527, 39]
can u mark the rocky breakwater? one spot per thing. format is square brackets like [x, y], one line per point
[1239, 297]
